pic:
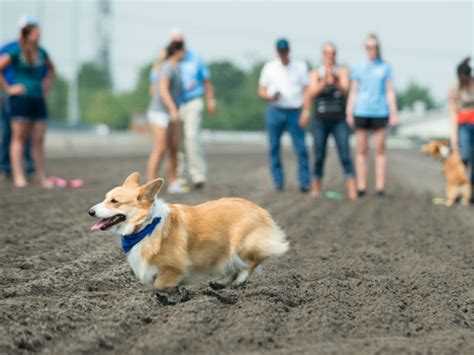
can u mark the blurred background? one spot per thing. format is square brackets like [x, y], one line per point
[103, 50]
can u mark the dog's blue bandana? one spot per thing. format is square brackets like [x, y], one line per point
[129, 241]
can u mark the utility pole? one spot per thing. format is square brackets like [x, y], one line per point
[104, 23]
[73, 115]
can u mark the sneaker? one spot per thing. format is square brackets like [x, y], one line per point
[304, 189]
[198, 185]
[175, 188]
[380, 193]
[361, 193]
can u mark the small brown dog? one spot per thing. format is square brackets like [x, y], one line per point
[457, 183]
[168, 245]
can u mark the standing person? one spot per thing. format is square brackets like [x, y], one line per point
[5, 128]
[370, 108]
[196, 83]
[166, 89]
[328, 87]
[27, 102]
[461, 103]
[282, 84]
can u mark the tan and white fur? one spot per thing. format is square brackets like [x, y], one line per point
[229, 237]
[457, 182]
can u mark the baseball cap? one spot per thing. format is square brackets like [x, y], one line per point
[27, 20]
[176, 33]
[282, 45]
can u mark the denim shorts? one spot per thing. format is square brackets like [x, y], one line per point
[159, 118]
[28, 108]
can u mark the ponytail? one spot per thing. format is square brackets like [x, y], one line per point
[27, 49]
[158, 61]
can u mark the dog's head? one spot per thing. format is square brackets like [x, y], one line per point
[126, 206]
[438, 149]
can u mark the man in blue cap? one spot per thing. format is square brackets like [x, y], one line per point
[283, 82]
[5, 129]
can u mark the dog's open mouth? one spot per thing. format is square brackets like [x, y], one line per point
[106, 223]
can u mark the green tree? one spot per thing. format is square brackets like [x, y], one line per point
[414, 93]
[227, 80]
[242, 109]
[57, 99]
[92, 77]
[94, 91]
[105, 107]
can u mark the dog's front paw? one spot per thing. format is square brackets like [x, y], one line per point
[173, 298]
[215, 285]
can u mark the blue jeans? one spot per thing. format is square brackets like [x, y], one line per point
[277, 120]
[466, 146]
[341, 132]
[5, 138]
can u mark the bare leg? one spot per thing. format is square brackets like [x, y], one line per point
[21, 130]
[174, 133]
[156, 155]
[315, 188]
[380, 138]
[362, 158]
[38, 133]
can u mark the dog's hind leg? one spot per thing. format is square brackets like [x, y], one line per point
[231, 270]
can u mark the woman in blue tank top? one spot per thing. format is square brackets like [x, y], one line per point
[370, 108]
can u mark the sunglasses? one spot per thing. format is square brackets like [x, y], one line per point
[369, 47]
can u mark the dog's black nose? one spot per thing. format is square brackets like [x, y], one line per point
[91, 212]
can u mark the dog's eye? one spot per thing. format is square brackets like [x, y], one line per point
[113, 201]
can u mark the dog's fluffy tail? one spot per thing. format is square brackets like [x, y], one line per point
[275, 242]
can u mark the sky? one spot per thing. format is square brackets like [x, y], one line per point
[423, 41]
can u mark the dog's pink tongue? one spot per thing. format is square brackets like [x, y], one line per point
[99, 224]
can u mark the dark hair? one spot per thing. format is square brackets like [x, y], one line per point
[174, 47]
[25, 31]
[27, 49]
[464, 73]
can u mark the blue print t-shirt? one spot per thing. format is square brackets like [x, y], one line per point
[193, 72]
[371, 99]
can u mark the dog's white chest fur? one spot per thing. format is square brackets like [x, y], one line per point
[145, 272]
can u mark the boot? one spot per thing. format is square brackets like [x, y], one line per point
[351, 189]
[315, 188]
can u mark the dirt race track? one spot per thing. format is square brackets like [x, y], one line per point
[378, 276]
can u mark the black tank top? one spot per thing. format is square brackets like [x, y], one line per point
[331, 103]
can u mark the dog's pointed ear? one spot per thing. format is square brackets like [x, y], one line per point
[149, 191]
[133, 180]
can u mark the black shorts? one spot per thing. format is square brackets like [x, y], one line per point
[28, 108]
[370, 122]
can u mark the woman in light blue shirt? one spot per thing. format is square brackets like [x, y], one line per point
[370, 108]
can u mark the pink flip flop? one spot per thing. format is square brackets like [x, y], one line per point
[57, 181]
[76, 183]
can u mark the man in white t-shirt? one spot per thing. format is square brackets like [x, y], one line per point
[282, 83]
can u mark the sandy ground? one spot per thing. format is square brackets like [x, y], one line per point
[384, 276]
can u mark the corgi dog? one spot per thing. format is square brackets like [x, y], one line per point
[168, 245]
[457, 183]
